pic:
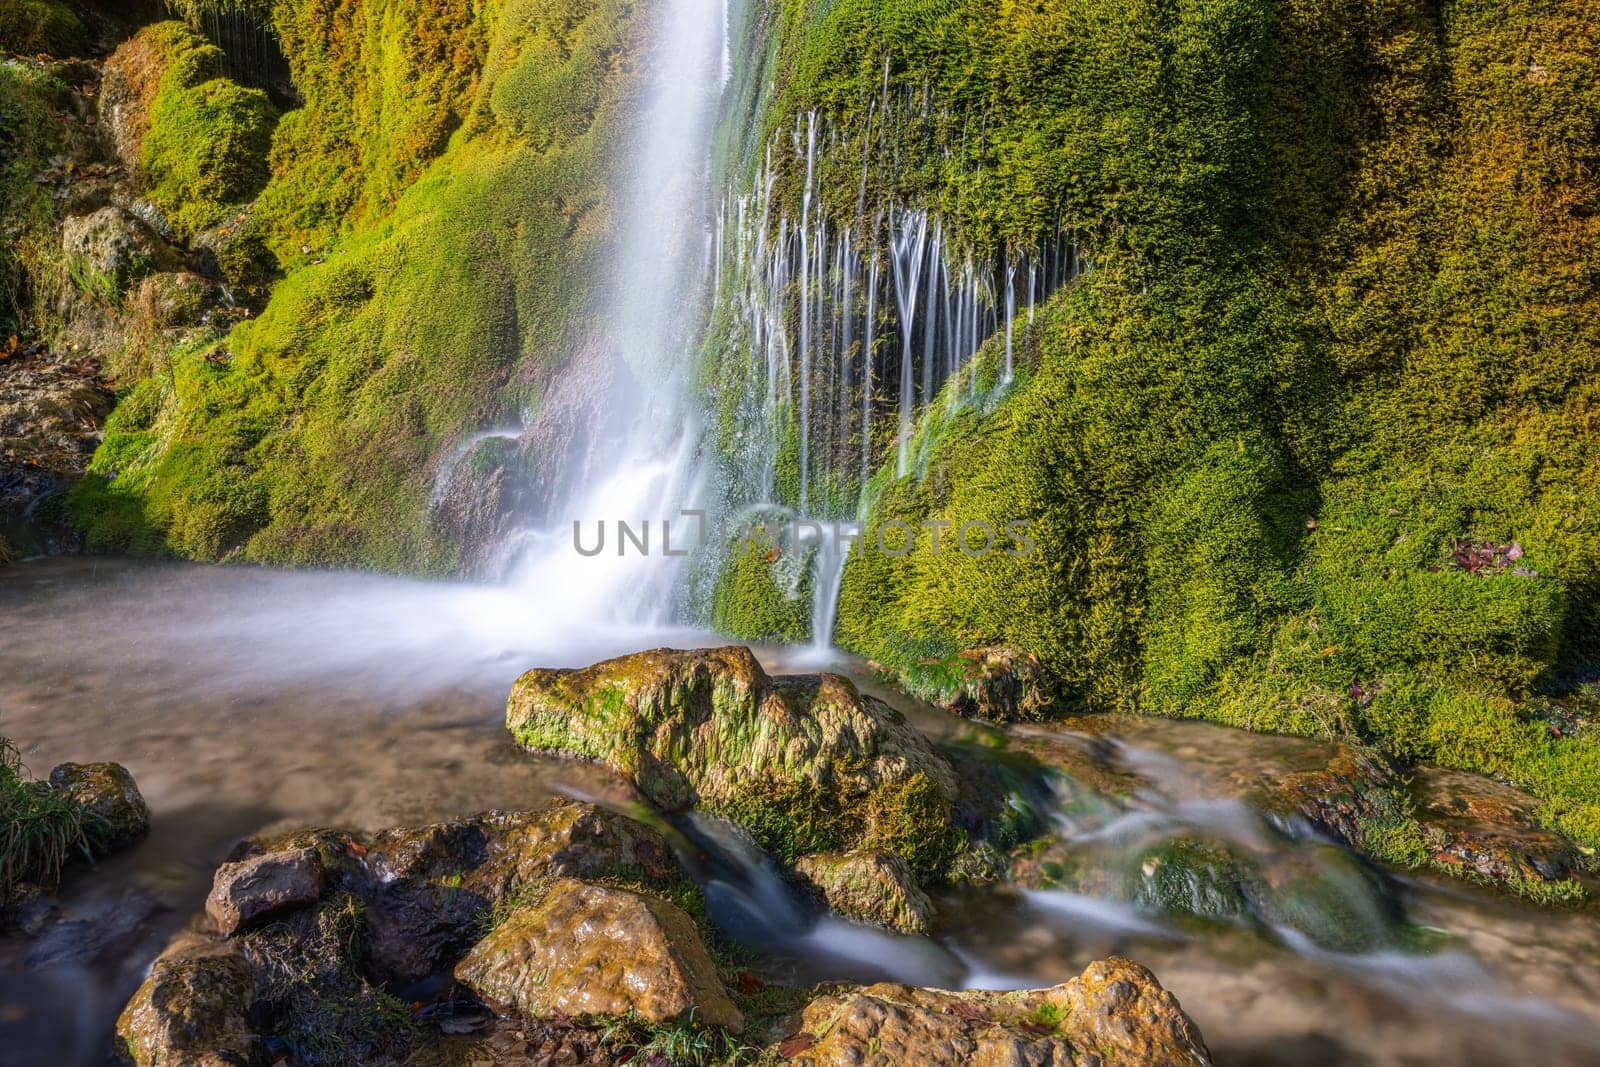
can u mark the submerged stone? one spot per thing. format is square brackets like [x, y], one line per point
[869, 886]
[1115, 1012]
[806, 764]
[589, 951]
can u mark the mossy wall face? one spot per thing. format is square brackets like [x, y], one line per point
[1312, 445]
[440, 205]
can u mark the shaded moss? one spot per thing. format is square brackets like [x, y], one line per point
[29, 27]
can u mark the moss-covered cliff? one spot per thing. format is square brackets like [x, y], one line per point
[1312, 445]
[437, 207]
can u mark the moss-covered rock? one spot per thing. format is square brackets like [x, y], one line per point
[29, 27]
[868, 886]
[206, 138]
[592, 952]
[999, 683]
[193, 1008]
[440, 205]
[110, 796]
[806, 764]
[1114, 1012]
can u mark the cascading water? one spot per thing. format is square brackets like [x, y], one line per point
[840, 320]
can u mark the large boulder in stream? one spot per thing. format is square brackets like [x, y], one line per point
[806, 764]
[1115, 1012]
[590, 951]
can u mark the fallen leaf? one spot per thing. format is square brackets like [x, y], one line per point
[793, 1046]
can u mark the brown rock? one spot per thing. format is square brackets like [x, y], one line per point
[586, 951]
[117, 245]
[261, 886]
[1114, 1013]
[870, 886]
[431, 888]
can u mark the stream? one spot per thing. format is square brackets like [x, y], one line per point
[246, 700]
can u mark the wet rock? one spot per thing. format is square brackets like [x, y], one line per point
[245, 892]
[99, 932]
[868, 886]
[51, 411]
[807, 764]
[1357, 798]
[590, 951]
[432, 888]
[1115, 1012]
[1488, 831]
[116, 247]
[109, 792]
[193, 1009]
[998, 683]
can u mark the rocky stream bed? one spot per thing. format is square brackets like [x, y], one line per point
[706, 856]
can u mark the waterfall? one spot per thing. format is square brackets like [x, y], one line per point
[668, 249]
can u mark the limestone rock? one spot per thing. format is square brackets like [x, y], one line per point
[108, 791]
[252, 889]
[806, 763]
[117, 245]
[193, 1009]
[431, 888]
[870, 886]
[1115, 1012]
[586, 950]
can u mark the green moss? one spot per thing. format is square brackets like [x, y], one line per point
[30, 27]
[457, 217]
[912, 820]
[30, 134]
[1332, 350]
[762, 594]
[206, 148]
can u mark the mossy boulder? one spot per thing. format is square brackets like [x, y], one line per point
[192, 1009]
[590, 951]
[196, 140]
[1114, 1012]
[869, 886]
[111, 248]
[30, 27]
[430, 890]
[997, 683]
[109, 795]
[806, 763]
